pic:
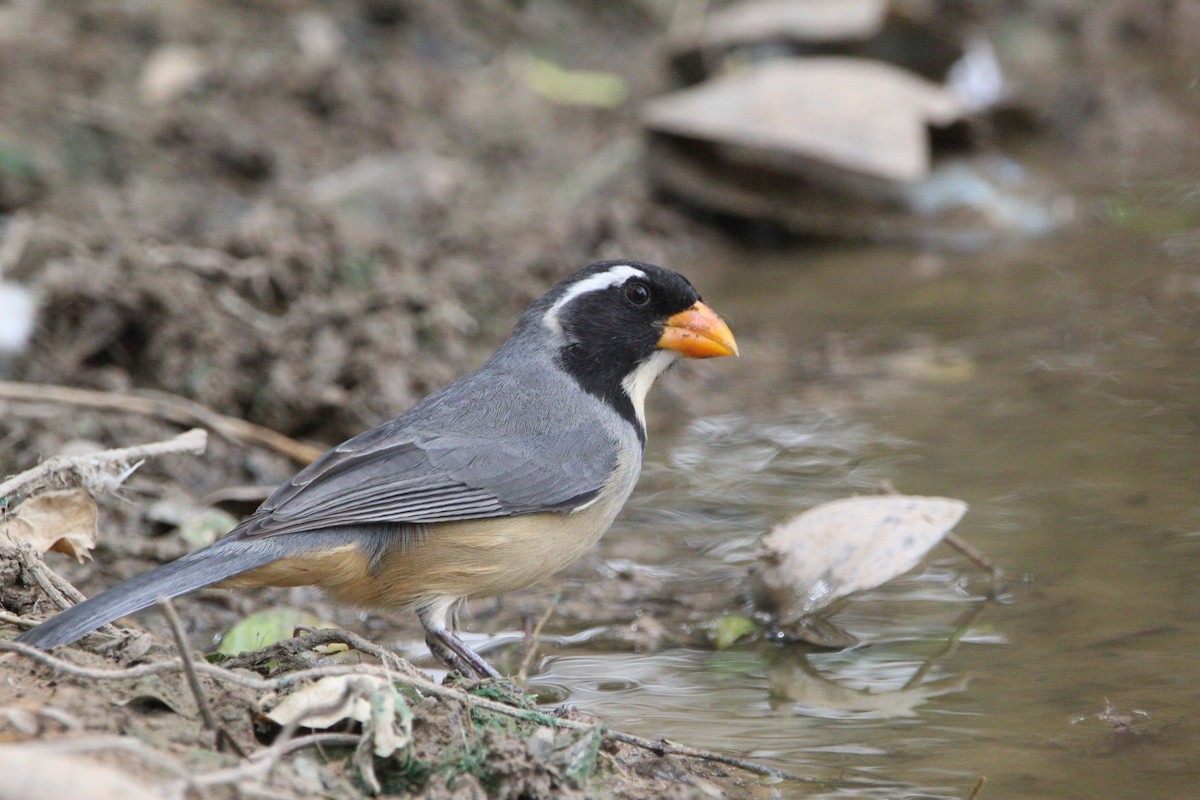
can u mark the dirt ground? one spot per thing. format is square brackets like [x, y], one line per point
[308, 216]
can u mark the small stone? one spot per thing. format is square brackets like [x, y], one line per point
[171, 72]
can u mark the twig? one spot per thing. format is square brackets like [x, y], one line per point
[664, 748]
[189, 671]
[60, 591]
[661, 747]
[978, 790]
[531, 645]
[16, 237]
[55, 586]
[21, 622]
[263, 763]
[68, 722]
[316, 637]
[164, 406]
[61, 471]
[961, 545]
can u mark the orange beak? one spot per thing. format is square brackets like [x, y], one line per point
[698, 333]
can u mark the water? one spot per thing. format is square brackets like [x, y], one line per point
[1054, 387]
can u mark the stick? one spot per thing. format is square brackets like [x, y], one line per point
[961, 545]
[56, 587]
[664, 748]
[62, 471]
[189, 671]
[20, 622]
[170, 407]
[661, 747]
[263, 763]
[316, 637]
[320, 636]
[534, 638]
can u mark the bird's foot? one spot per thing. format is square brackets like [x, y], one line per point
[456, 654]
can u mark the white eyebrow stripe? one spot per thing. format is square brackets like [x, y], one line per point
[594, 283]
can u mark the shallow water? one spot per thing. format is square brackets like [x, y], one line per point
[1054, 387]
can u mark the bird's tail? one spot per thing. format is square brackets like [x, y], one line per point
[221, 560]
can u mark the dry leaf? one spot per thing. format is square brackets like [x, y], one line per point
[63, 520]
[324, 693]
[846, 546]
[865, 117]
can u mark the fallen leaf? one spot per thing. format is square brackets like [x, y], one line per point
[574, 87]
[299, 705]
[728, 630]
[846, 546]
[370, 700]
[264, 628]
[864, 117]
[63, 520]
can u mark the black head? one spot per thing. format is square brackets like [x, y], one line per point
[621, 323]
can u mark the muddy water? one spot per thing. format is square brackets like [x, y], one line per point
[1055, 387]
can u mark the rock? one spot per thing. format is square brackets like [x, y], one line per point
[18, 311]
[319, 38]
[171, 72]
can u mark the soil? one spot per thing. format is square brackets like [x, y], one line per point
[310, 215]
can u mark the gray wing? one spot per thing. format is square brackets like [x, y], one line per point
[393, 475]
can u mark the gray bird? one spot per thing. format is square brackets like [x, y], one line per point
[487, 485]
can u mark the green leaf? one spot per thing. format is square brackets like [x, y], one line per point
[731, 628]
[574, 87]
[263, 628]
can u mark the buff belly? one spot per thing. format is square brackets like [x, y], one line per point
[477, 558]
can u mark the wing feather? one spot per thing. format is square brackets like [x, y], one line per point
[391, 475]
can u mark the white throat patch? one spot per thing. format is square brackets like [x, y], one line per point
[638, 382]
[594, 283]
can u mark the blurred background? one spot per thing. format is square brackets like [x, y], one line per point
[958, 242]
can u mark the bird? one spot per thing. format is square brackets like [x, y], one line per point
[487, 485]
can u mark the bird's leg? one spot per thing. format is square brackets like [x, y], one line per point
[457, 654]
[447, 647]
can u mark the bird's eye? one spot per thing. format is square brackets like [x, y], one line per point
[637, 293]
